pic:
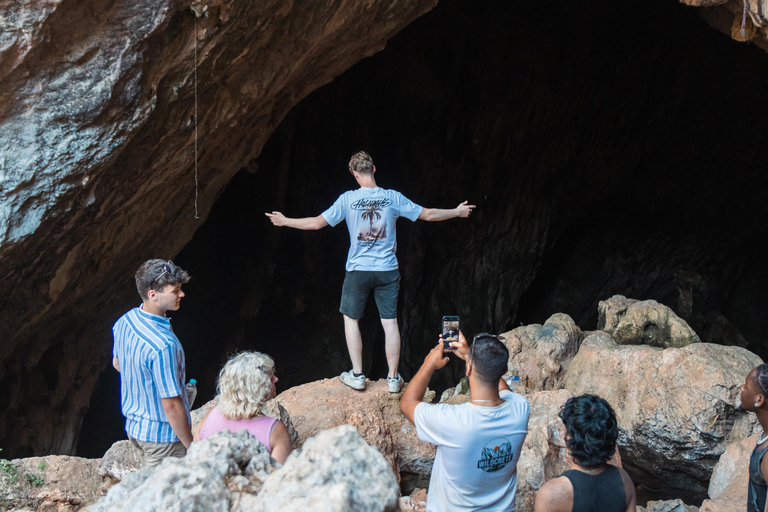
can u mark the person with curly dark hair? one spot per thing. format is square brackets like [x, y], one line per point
[754, 398]
[592, 483]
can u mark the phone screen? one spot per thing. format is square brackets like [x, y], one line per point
[450, 331]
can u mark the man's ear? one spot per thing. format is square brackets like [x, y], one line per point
[152, 294]
[468, 370]
[374, 170]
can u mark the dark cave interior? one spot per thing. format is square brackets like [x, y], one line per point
[610, 148]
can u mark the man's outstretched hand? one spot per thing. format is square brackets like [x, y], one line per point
[465, 209]
[277, 218]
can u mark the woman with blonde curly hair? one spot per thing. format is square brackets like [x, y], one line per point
[245, 384]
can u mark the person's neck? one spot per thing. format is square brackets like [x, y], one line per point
[367, 182]
[590, 471]
[484, 394]
[762, 418]
[150, 308]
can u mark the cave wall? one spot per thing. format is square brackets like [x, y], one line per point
[606, 155]
[97, 173]
[546, 116]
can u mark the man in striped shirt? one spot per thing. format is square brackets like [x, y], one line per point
[150, 360]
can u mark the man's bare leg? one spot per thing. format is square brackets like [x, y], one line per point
[355, 343]
[391, 344]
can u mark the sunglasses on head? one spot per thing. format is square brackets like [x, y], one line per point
[167, 269]
[484, 335]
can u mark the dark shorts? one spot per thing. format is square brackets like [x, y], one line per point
[358, 285]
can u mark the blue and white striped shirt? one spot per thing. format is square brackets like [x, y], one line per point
[151, 368]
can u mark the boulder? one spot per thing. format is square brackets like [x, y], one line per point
[731, 474]
[328, 403]
[55, 482]
[668, 506]
[335, 471]
[635, 322]
[676, 407]
[540, 354]
[120, 460]
[724, 505]
[203, 480]
[544, 454]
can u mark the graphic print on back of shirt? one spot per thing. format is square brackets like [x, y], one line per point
[371, 211]
[495, 454]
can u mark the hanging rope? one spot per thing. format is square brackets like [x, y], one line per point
[196, 182]
[744, 20]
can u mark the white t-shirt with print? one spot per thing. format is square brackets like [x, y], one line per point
[371, 214]
[478, 448]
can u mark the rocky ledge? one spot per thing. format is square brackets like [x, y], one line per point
[680, 435]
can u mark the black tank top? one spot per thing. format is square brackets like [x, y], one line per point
[757, 485]
[603, 492]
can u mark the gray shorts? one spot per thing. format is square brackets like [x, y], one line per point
[151, 454]
[358, 285]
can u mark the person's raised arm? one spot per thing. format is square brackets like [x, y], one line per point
[176, 413]
[304, 223]
[437, 214]
[415, 390]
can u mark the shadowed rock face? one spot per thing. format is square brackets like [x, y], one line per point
[97, 162]
[610, 145]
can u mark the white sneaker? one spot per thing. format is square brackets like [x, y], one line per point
[395, 383]
[352, 381]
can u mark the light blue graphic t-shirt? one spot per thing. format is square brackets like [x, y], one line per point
[371, 214]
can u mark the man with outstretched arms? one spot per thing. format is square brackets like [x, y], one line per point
[150, 360]
[370, 213]
[479, 442]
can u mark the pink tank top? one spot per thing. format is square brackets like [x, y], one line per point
[260, 426]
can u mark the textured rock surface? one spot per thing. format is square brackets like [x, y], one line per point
[731, 474]
[97, 170]
[543, 455]
[203, 480]
[668, 506]
[729, 16]
[326, 404]
[335, 471]
[51, 483]
[540, 354]
[635, 322]
[676, 407]
[120, 460]
[723, 505]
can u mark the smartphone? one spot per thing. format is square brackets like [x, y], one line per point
[450, 331]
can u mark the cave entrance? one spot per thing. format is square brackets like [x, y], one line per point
[610, 148]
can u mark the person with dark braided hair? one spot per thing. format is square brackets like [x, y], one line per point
[593, 483]
[754, 398]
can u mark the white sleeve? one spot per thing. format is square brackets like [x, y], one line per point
[429, 420]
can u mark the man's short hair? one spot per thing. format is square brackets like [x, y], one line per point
[489, 358]
[592, 430]
[361, 162]
[156, 274]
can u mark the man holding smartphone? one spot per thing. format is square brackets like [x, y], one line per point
[479, 442]
[371, 213]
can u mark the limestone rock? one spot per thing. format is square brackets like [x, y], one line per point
[55, 482]
[335, 471]
[199, 481]
[732, 471]
[540, 354]
[634, 322]
[668, 506]
[121, 459]
[724, 505]
[676, 407]
[544, 452]
[328, 403]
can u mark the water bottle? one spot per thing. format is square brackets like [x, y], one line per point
[512, 381]
[191, 389]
